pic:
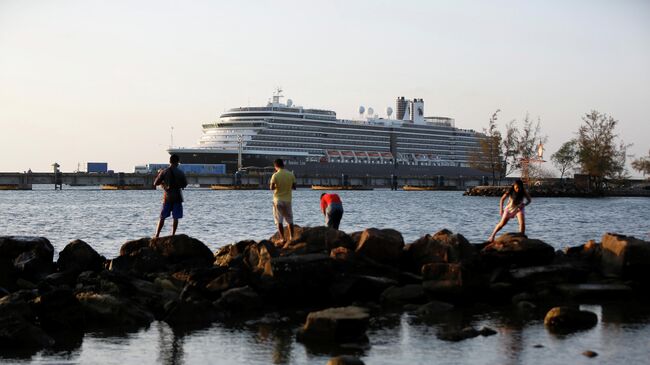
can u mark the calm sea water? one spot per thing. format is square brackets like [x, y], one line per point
[106, 219]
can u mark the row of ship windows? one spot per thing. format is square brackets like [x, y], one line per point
[427, 144]
[402, 134]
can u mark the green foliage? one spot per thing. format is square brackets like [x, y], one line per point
[566, 157]
[488, 156]
[521, 144]
[642, 164]
[600, 155]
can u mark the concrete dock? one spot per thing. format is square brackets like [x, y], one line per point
[139, 181]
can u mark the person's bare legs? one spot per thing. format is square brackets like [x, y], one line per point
[161, 223]
[500, 225]
[522, 222]
[281, 231]
[291, 231]
[174, 226]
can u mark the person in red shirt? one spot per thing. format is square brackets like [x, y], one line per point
[332, 208]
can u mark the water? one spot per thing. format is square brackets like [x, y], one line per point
[106, 219]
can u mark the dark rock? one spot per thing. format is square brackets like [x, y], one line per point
[345, 360]
[79, 256]
[486, 331]
[18, 333]
[318, 239]
[33, 265]
[238, 300]
[433, 308]
[18, 304]
[590, 353]
[381, 245]
[395, 295]
[559, 273]
[298, 277]
[596, 290]
[129, 247]
[626, 257]
[342, 254]
[106, 310]
[190, 313]
[360, 288]
[181, 248]
[519, 250]
[276, 240]
[442, 247]
[590, 252]
[8, 274]
[223, 282]
[230, 255]
[335, 325]
[455, 335]
[569, 319]
[67, 278]
[139, 262]
[257, 257]
[59, 310]
[443, 278]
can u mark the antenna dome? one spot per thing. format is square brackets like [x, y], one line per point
[362, 109]
[389, 111]
[289, 103]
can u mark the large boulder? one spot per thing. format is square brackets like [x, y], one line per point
[8, 274]
[79, 256]
[442, 278]
[518, 250]
[400, 295]
[257, 257]
[444, 246]
[59, 310]
[381, 245]
[191, 313]
[319, 239]
[232, 254]
[569, 319]
[345, 360]
[181, 248]
[140, 262]
[626, 257]
[335, 325]
[18, 333]
[130, 247]
[32, 256]
[102, 310]
[238, 300]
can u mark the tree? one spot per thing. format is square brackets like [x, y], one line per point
[488, 157]
[599, 154]
[520, 145]
[642, 164]
[566, 157]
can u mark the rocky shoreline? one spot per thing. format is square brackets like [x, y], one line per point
[558, 191]
[340, 281]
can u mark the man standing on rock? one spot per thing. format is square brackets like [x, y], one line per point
[282, 182]
[332, 208]
[172, 180]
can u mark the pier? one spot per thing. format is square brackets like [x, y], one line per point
[139, 181]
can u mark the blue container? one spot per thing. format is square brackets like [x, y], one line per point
[100, 167]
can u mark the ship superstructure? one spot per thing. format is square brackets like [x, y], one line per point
[315, 140]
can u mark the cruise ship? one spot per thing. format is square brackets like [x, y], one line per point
[314, 141]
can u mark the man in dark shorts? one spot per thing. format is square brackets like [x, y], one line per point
[172, 180]
[332, 208]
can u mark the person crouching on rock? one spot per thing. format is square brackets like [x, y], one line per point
[282, 184]
[515, 207]
[332, 208]
[172, 180]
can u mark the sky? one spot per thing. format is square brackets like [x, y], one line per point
[107, 80]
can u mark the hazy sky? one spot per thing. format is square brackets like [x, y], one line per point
[105, 80]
